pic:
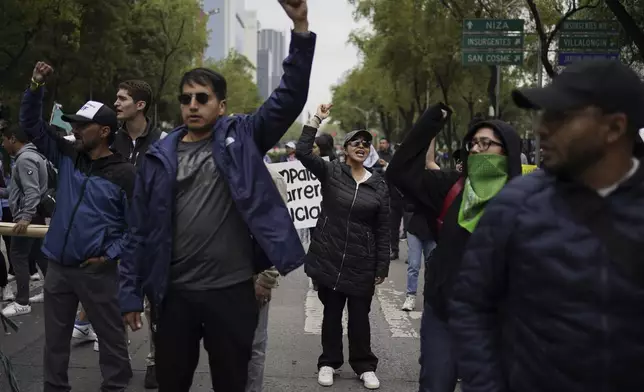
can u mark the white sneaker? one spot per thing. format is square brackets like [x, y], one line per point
[410, 303]
[325, 376]
[38, 298]
[11, 278]
[8, 294]
[35, 277]
[370, 380]
[96, 345]
[15, 309]
[84, 332]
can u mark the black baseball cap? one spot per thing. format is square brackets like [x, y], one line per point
[607, 84]
[94, 112]
[355, 134]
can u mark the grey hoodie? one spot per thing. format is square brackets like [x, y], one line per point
[31, 168]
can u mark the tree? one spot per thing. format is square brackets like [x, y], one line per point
[243, 94]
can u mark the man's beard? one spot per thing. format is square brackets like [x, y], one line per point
[577, 162]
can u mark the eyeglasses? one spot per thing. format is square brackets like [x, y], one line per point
[186, 99]
[360, 142]
[483, 143]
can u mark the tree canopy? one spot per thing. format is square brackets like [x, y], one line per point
[410, 57]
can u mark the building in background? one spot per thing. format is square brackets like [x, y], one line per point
[264, 72]
[251, 37]
[226, 27]
[271, 48]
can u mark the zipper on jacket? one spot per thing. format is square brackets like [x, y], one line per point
[369, 244]
[71, 220]
[605, 327]
[346, 238]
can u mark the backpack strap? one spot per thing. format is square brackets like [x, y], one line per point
[449, 199]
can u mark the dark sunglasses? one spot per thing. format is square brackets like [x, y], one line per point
[186, 99]
[358, 143]
[483, 143]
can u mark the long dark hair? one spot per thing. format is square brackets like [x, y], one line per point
[326, 144]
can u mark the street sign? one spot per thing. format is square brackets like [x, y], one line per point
[492, 58]
[569, 58]
[492, 25]
[570, 42]
[590, 26]
[492, 41]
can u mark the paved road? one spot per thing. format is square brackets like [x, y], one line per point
[294, 343]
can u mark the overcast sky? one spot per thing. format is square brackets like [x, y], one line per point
[332, 21]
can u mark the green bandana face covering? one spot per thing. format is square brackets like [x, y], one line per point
[486, 176]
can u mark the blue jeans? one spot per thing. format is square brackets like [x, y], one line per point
[418, 251]
[437, 360]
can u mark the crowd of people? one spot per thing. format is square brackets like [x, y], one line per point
[532, 282]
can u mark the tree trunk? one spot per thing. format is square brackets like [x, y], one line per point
[628, 24]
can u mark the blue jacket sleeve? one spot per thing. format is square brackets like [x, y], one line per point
[133, 245]
[281, 109]
[42, 135]
[478, 292]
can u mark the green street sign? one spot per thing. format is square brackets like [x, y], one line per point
[492, 25]
[492, 58]
[590, 26]
[570, 42]
[491, 41]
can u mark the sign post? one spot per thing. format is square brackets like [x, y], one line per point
[587, 40]
[496, 42]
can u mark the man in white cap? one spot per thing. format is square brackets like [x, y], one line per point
[86, 237]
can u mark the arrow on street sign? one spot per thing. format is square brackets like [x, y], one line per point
[470, 25]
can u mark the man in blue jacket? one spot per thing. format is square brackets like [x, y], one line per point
[206, 216]
[86, 234]
[549, 297]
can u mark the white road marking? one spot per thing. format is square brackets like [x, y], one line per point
[399, 321]
[314, 312]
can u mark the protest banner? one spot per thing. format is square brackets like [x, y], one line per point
[304, 193]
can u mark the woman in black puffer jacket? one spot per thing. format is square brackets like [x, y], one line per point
[349, 252]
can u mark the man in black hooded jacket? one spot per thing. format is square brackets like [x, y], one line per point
[491, 157]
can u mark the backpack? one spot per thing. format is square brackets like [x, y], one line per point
[47, 203]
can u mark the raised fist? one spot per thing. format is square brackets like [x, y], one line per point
[297, 10]
[42, 71]
[324, 111]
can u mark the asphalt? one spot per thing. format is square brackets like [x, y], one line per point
[294, 343]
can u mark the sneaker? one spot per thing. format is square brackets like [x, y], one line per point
[370, 380]
[35, 277]
[325, 376]
[84, 332]
[38, 298]
[11, 278]
[150, 381]
[15, 309]
[410, 303]
[96, 345]
[7, 294]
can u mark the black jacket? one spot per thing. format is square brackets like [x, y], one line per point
[428, 190]
[134, 152]
[350, 245]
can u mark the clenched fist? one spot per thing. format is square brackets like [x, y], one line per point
[41, 72]
[297, 10]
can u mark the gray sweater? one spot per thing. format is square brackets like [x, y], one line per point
[31, 169]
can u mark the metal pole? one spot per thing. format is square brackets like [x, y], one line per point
[537, 139]
[497, 102]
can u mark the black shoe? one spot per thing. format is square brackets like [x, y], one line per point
[151, 378]
[394, 256]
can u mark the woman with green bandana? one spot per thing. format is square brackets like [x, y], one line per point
[453, 203]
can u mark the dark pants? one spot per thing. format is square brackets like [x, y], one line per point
[437, 359]
[395, 218]
[361, 358]
[226, 320]
[96, 287]
[22, 250]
